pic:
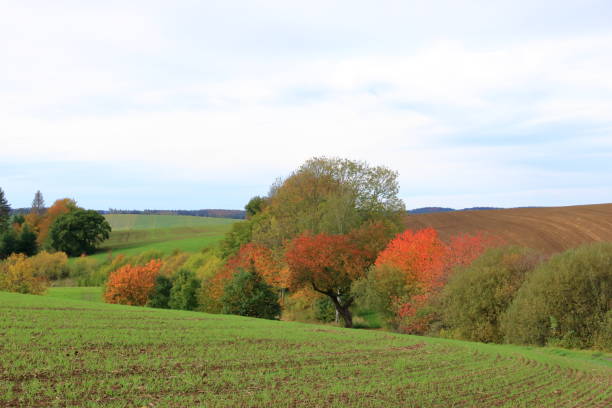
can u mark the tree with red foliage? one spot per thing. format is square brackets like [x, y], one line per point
[330, 264]
[132, 285]
[426, 263]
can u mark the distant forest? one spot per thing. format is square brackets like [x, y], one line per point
[215, 213]
[241, 214]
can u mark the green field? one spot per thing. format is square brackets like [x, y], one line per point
[63, 352]
[90, 294]
[123, 222]
[133, 234]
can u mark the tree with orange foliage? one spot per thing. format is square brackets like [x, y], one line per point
[329, 264]
[413, 268]
[132, 285]
[42, 224]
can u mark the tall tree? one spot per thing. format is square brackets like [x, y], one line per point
[329, 195]
[38, 204]
[5, 210]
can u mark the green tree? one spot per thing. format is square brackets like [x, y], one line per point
[254, 206]
[329, 195]
[8, 243]
[248, 295]
[160, 296]
[5, 211]
[566, 301]
[79, 232]
[26, 244]
[183, 295]
[475, 298]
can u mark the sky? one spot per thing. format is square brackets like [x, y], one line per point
[203, 104]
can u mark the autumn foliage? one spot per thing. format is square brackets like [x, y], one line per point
[18, 274]
[425, 263]
[132, 285]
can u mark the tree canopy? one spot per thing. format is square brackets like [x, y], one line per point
[79, 231]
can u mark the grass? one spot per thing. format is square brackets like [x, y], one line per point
[64, 352]
[123, 222]
[90, 294]
[134, 233]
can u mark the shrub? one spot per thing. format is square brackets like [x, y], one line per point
[85, 271]
[325, 311]
[17, 274]
[565, 301]
[50, 266]
[246, 294]
[183, 294]
[132, 285]
[160, 295]
[476, 296]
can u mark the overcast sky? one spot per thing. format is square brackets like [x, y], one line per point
[202, 104]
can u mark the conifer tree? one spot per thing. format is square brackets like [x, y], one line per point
[5, 210]
[38, 204]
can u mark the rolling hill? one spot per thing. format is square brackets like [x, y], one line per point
[548, 229]
[71, 353]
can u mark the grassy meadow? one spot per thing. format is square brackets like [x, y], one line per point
[67, 352]
[133, 234]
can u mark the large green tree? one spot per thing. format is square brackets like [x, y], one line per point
[328, 195]
[79, 231]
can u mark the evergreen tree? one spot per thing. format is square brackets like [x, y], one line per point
[26, 244]
[38, 204]
[8, 243]
[5, 210]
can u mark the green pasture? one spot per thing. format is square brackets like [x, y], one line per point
[64, 352]
[133, 234]
[90, 294]
[122, 222]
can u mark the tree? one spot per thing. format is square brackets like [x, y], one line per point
[254, 206]
[411, 270]
[26, 244]
[5, 211]
[566, 301]
[183, 295]
[43, 224]
[331, 196]
[132, 285]
[79, 232]
[38, 204]
[475, 298]
[328, 263]
[248, 295]
[8, 243]
[160, 295]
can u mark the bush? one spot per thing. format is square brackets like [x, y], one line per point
[85, 271]
[183, 294]
[50, 266]
[565, 302]
[17, 274]
[325, 311]
[160, 295]
[132, 285]
[248, 295]
[476, 296]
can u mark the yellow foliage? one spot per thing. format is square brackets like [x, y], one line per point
[17, 274]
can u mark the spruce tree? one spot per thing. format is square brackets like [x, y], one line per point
[5, 210]
[38, 204]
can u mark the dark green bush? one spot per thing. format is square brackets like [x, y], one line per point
[565, 302]
[160, 295]
[183, 294]
[325, 311]
[476, 296]
[248, 295]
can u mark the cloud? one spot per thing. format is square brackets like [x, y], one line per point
[233, 92]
